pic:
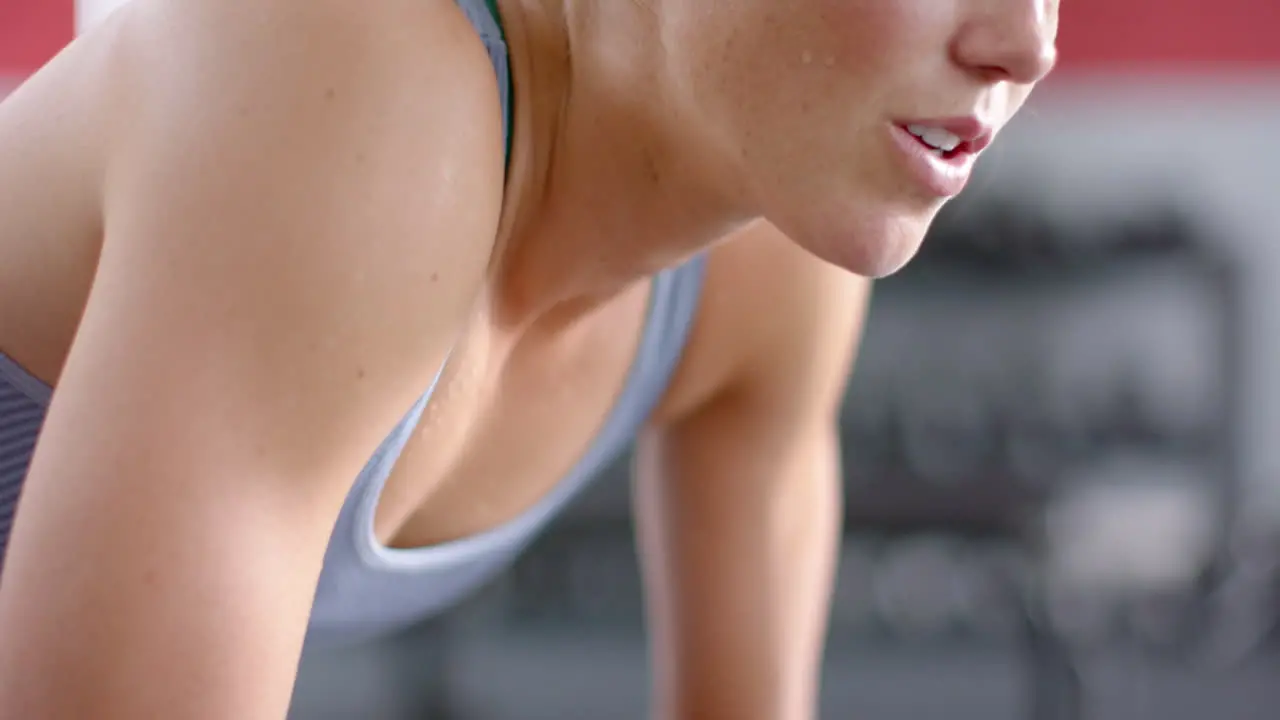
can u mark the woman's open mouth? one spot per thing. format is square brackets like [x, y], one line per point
[940, 153]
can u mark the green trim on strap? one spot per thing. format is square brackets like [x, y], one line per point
[511, 91]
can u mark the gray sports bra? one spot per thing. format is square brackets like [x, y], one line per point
[365, 588]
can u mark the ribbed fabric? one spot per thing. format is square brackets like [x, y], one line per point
[23, 400]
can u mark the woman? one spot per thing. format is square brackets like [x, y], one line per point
[329, 344]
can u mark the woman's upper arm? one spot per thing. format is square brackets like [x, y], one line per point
[297, 212]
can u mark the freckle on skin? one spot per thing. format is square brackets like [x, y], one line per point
[359, 373]
[651, 167]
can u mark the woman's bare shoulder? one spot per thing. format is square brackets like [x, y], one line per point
[382, 117]
[403, 76]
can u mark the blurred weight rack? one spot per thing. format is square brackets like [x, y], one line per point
[1041, 446]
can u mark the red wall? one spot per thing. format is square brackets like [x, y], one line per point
[31, 31]
[1164, 33]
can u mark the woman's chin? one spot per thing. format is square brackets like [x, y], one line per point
[873, 252]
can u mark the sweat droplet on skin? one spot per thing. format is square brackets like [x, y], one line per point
[806, 58]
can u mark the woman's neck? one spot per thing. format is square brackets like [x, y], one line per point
[609, 181]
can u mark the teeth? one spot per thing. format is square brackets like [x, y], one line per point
[936, 138]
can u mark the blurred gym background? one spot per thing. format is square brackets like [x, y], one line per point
[1063, 483]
